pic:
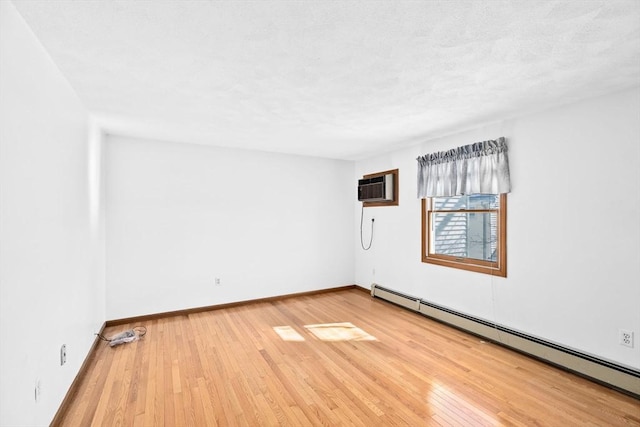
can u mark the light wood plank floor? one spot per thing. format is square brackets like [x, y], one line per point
[230, 367]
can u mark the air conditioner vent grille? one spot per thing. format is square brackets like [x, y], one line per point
[375, 189]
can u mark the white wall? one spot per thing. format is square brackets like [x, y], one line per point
[573, 229]
[180, 215]
[51, 249]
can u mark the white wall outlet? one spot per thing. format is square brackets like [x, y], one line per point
[217, 281]
[626, 337]
[63, 354]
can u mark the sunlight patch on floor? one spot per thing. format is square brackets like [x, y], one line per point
[344, 331]
[287, 333]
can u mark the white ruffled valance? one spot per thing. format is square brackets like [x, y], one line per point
[479, 168]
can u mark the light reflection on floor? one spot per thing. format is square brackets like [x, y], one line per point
[452, 408]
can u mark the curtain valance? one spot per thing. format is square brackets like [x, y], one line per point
[479, 168]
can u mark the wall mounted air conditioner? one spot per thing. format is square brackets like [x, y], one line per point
[376, 189]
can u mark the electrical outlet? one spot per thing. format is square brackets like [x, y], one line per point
[217, 281]
[36, 391]
[626, 337]
[63, 354]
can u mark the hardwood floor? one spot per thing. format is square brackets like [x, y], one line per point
[231, 367]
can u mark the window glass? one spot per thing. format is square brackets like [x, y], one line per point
[467, 235]
[472, 201]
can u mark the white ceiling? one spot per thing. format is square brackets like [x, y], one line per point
[339, 79]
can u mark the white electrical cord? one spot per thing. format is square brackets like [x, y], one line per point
[129, 335]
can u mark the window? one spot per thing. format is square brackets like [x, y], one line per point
[467, 232]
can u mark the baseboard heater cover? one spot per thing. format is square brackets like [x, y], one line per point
[617, 376]
[403, 300]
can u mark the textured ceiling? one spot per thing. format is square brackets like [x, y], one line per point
[333, 79]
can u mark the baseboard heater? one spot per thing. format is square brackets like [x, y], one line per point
[610, 374]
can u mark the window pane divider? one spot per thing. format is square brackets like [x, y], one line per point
[465, 211]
